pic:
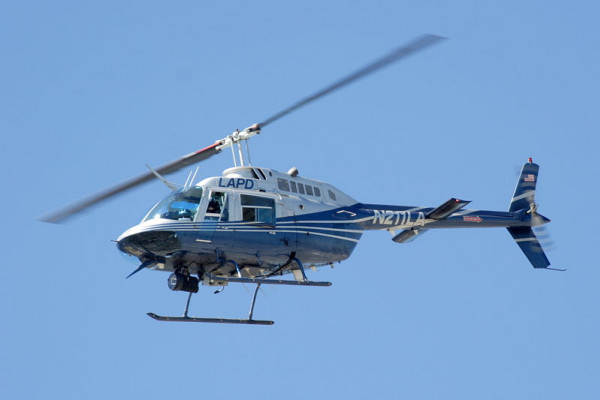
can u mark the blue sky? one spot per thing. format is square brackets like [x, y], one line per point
[92, 91]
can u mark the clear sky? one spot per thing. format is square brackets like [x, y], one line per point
[92, 91]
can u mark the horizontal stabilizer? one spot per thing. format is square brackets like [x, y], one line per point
[529, 244]
[448, 208]
[408, 235]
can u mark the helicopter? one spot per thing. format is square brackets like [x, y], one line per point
[255, 225]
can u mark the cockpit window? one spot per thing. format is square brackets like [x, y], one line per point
[179, 206]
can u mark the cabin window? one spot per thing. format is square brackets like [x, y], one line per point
[309, 190]
[294, 187]
[254, 174]
[260, 171]
[283, 184]
[317, 191]
[258, 209]
[331, 195]
[300, 188]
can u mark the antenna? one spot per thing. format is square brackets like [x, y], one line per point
[194, 177]
[185, 184]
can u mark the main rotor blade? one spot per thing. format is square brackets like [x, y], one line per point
[189, 159]
[416, 45]
[200, 155]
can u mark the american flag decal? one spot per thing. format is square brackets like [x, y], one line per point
[529, 178]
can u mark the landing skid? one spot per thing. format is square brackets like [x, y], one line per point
[239, 279]
[186, 318]
[211, 320]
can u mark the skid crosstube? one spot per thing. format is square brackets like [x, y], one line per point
[211, 320]
[267, 281]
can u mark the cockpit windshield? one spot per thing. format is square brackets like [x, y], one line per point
[181, 205]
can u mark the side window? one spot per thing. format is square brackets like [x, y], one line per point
[258, 209]
[282, 184]
[331, 195]
[309, 190]
[293, 186]
[317, 191]
[300, 188]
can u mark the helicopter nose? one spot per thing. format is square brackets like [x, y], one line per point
[138, 242]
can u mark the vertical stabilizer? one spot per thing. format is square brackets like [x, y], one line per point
[525, 190]
[523, 199]
[529, 244]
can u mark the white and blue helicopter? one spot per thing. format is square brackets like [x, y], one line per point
[254, 225]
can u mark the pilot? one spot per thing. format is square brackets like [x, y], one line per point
[213, 206]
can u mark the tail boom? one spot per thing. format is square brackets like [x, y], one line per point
[407, 223]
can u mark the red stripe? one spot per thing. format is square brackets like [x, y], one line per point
[209, 147]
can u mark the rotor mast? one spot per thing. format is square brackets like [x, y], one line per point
[236, 138]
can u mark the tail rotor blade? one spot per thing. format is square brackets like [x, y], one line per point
[545, 238]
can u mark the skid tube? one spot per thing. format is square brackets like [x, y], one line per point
[268, 281]
[186, 318]
[211, 320]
